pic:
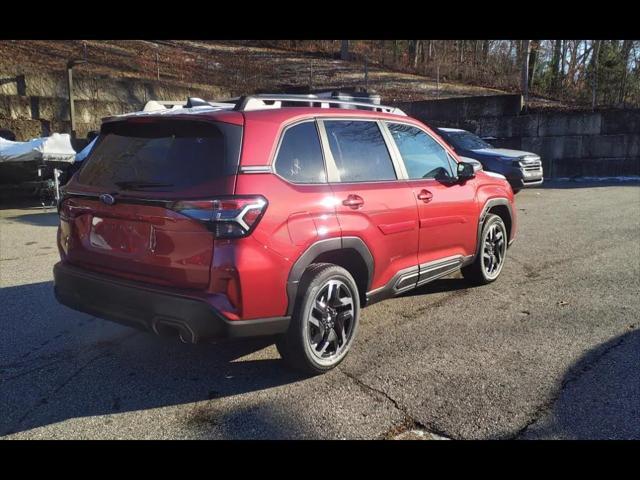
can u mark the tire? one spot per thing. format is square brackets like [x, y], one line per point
[483, 270]
[309, 345]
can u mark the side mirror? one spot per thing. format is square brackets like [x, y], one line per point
[465, 171]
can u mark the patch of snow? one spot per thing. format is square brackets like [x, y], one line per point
[417, 434]
[622, 178]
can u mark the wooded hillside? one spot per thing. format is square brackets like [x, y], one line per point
[595, 73]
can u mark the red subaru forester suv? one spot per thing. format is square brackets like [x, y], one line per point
[274, 215]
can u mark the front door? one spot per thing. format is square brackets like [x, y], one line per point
[446, 207]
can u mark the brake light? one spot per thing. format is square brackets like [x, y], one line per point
[63, 209]
[229, 217]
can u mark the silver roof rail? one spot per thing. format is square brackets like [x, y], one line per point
[269, 101]
[191, 102]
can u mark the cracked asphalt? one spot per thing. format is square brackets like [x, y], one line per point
[551, 350]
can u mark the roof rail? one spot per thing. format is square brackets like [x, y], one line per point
[269, 101]
[191, 102]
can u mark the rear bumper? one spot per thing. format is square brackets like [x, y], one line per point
[153, 309]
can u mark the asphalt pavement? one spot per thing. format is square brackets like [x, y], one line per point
[550, 350]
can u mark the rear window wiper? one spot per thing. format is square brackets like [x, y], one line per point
[135, 185]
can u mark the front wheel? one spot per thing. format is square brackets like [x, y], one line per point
[490, 258]
[324, 321]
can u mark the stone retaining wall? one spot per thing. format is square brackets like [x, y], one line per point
[603, 143]
[33, 105]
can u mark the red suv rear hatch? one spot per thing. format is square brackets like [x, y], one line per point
[119, 214]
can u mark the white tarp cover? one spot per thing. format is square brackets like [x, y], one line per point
[56, 148]
[82, 154]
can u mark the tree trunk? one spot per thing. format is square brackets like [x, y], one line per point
[573, 60]
[624, 54]
[555, 65]
[533, 58]
[395, 52]
[519, 48]
[433, 55]
[344, 50]
[485, 51]
[416, 52]
[524, 74]
[594, 73]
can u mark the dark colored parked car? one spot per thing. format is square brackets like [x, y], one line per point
[522, 169]
[267, 218]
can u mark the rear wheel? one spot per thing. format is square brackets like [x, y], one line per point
[491, 256]
[324, 321]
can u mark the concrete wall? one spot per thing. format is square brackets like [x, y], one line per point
[570, 144]
[459, 109]
[573, 144]
[33, 105]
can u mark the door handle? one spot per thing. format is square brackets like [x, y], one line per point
[425, 195]
[353, 201]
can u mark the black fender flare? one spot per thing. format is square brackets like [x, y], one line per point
[492, 202]
[317, 248]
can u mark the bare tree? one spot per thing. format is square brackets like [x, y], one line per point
[524, 86]
[417, 45]
[533, 58]
[594, 72]
[555, 65]
[568, 70]
[395, 52]
[344, 50]
[625, 53]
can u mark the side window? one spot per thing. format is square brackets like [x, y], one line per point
[423, 157]
[359, 151]
[299, 158]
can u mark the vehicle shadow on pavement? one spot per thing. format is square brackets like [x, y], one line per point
[599, 396]
[448, 284]
[57, 364]
[41, 219]
[23, 203]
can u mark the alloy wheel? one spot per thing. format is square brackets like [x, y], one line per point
[494, 250]
[331, 321]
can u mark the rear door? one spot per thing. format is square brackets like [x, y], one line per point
[371, 202]
[119, 215]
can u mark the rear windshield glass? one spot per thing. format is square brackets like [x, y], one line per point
[467, 141]
[161, 155]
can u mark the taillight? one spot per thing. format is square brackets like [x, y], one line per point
[63, 209]
[229, 217]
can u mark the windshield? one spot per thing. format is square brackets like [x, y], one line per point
[467, 141]
[162, 155]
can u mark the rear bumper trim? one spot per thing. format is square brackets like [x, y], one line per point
[192, 319]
